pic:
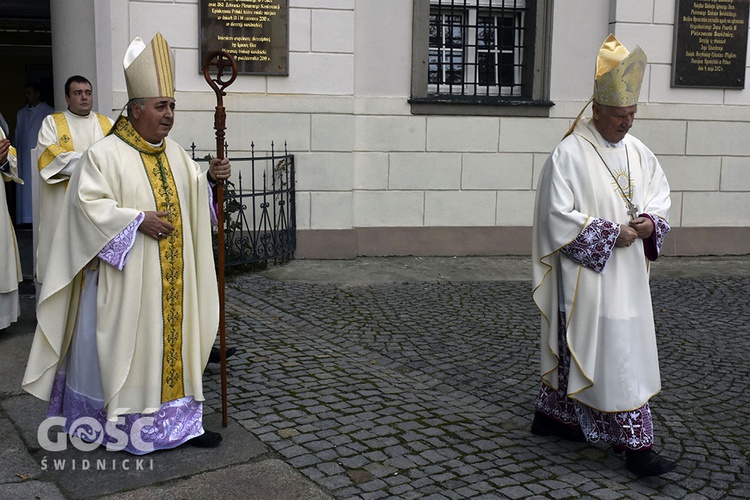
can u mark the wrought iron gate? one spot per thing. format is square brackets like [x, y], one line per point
[260, 218]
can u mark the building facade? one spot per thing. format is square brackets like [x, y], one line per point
[414, 135]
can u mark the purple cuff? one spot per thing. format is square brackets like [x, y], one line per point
[116, 252]
[593, 246]
[212, 205]
[652, 245]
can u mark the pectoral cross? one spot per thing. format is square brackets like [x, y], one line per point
[632, 210]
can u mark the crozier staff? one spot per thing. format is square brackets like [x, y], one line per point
[221, 61]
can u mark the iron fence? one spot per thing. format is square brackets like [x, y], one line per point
[259, 218]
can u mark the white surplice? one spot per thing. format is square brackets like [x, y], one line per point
[59, 149]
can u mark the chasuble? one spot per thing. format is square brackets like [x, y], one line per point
[157, 317]
[608, 312]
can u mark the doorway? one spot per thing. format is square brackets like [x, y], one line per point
[26, 45]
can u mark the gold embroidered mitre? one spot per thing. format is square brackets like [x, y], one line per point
[619, 74]
[149, 69]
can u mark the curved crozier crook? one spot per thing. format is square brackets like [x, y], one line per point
[222, 60]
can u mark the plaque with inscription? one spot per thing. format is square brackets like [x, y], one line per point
[710, 43]
[254, 32]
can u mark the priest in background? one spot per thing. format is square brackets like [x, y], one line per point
[28, 122]
[62, 139]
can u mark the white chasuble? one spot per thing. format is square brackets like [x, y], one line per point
[157, 318]
[610, 327]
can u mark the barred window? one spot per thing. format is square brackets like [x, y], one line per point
[481, 52]
[476, 48]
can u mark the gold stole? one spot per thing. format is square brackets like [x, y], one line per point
[104, 123]
[171, 259]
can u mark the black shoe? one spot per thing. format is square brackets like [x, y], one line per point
[647, 463]
[208, 439]
[545, 426]
[215, 356]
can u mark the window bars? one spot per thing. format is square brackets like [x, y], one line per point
[476, 47]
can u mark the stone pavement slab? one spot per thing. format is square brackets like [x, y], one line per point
[85, 474]
[16, 464]
[264, 480]
[31, 490]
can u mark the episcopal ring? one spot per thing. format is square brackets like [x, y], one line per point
[160, 235]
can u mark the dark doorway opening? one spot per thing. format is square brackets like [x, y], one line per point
[26, 45]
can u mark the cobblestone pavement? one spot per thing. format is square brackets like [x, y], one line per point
[426, 389]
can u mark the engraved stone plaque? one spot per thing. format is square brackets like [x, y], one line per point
[254, 32]
[710, 43]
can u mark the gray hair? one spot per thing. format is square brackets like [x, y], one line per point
[141, 102]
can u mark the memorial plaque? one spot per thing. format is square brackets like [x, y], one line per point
[254, 32]
[710, 43]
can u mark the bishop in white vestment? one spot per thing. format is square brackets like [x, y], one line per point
[130, 311]
[601, 214]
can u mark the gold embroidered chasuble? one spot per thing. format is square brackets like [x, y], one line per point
[157, 318]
